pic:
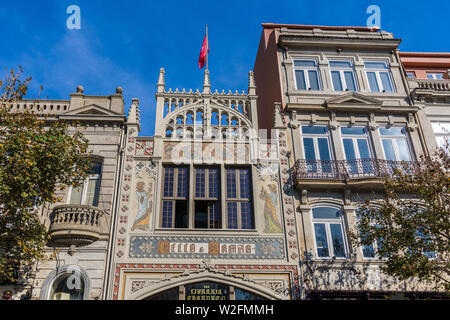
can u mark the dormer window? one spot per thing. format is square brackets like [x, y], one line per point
[379, 77]
[306, 75]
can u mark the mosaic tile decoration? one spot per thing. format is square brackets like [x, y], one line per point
[194, 247]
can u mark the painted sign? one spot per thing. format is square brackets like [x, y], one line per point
[207, 291]
[203, 247]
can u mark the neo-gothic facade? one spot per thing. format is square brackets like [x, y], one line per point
[239, 195]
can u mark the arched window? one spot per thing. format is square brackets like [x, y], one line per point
[67, 287]
[329, 233]
[68, 282]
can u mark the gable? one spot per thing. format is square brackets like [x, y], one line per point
[91, 110]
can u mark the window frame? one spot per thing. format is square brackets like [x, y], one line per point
[207, 197]
[342, 71]
[306, 74]
[394, 145]
[174, 198]
[85, 187]
[377, 72]
[238, 200]
[316, 136]
[327, 222]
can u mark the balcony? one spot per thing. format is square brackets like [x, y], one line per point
[76, 224]
[363, 173]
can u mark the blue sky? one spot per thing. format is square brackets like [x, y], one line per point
[125, 43]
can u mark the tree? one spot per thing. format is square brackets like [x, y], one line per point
[38, 156]
[410, 226]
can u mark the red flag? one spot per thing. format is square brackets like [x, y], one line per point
[204, 52]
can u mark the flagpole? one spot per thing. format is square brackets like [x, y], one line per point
[208, 47]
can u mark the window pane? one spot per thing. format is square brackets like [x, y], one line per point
[232, 215]
[350, 80]
[313, 80]
[375, 65]
[363, 148]
[246, 216]
[167, 214]
[168, 182]
[439, 76]
[388, 149]
[183, 180]
[200, 183]
[337, 84]
[213, 183]
[181, 214]
[308, 144]
[314, 129]
[300, 78]
[373, 82]
[75, 196]
[96, 168]
[326, 213]
[386, 82]
[93, 192]
[353, 130]
[305, 63]
[244, 180]
[201, 214]
[393, 131]
[441, 127]
[231, 183]
[349, 149]
[403, 151]
[340, 64]
[429, 76]
[321, 240]
[324, 151]
[338, 240]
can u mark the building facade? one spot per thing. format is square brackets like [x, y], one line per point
[349, 118]
[429, 81]
[244, 196]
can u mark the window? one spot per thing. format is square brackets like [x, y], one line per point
[328, 232]
[410, 74]
[175, 212]
[435, 75]
[379, 77]
[205, 210]
[238, 198]
[442, 133]
[395, 144]
[88, 192]
[356, 146]
[317, 148]
[207, 198]
[342, 76]
[306, 75]
[67, 287]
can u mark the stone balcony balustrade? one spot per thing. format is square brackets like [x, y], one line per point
[76, 224]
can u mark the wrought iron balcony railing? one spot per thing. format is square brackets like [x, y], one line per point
[346, 169]
[75, 224]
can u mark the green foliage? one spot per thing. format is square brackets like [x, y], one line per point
[38, 156]
[411, 225]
